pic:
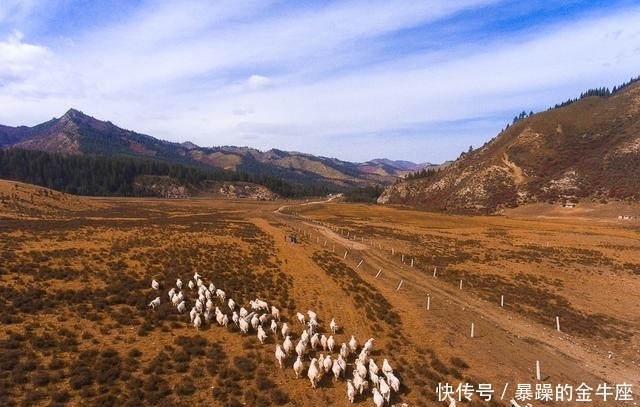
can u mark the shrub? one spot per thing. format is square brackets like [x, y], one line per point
[61, 396]
[459, 363]
[57, 364]
[186, 388]
[41, 379]
[245, 365]
[279, 397]
[262, 380]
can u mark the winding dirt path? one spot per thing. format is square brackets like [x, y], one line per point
[505, 342]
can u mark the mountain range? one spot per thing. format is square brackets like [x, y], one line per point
[584, 149]
[78, 133]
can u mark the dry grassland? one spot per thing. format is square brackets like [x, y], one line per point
[75, 284]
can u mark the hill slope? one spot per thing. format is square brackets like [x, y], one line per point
[25, 201]
[589, 149]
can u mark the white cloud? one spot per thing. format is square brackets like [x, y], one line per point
[206, 72]
[256, 82]
[18, 59]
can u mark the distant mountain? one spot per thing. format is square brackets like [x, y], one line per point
[77, 133]
[586, 148]
[399, 164]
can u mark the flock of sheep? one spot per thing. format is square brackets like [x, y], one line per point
[365, 375]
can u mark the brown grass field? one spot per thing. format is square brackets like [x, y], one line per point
[75, 284]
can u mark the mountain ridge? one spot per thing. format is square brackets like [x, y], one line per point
[78, 133]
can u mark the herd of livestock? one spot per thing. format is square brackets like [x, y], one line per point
[346, 361]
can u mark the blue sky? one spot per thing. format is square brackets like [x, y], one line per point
[355, 80]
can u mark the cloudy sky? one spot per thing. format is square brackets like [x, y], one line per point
[356, 80]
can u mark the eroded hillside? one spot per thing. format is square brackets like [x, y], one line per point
[588, 150]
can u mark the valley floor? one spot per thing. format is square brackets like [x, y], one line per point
[75, 289]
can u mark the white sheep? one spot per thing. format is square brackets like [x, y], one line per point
[207, 316]
[315, 340]
[181, 307]
[244, 325]
[155, 303]
[385, 390]
[373, 367]
[344, 350]
[301, 347]
[196, 276]
[378, 399]
[327, 363]
[171, 293]
[312, 315]
[301, 318]
[374, 378]
[280, 355]
[212, 288]
[368, 345]
[179, 284]
[304, 336]
[359, 383]
[243, 312]
[155, 285]
[235, 317]
[259, 304]
[321, 364]
[220, 294]
[175, 300]
[311, 326]
[362, 357]
[275, 313]
[323, 342]
[220, 317]
[287, 345]
[274, 327]
[351, 391]
[313, 373]
[197, 321]
[353, 344]
[343, 363]
[232, 304]
[336, 369]
[386, 367]
[193, 313]
[255, 321]
[262, 335]
[285, 329]
[191, 285]
[393, 381]
[298, 366]
[360, 369]
[333, 325]
[331, 343]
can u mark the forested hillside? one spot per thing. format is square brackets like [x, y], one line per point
[98, 175]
